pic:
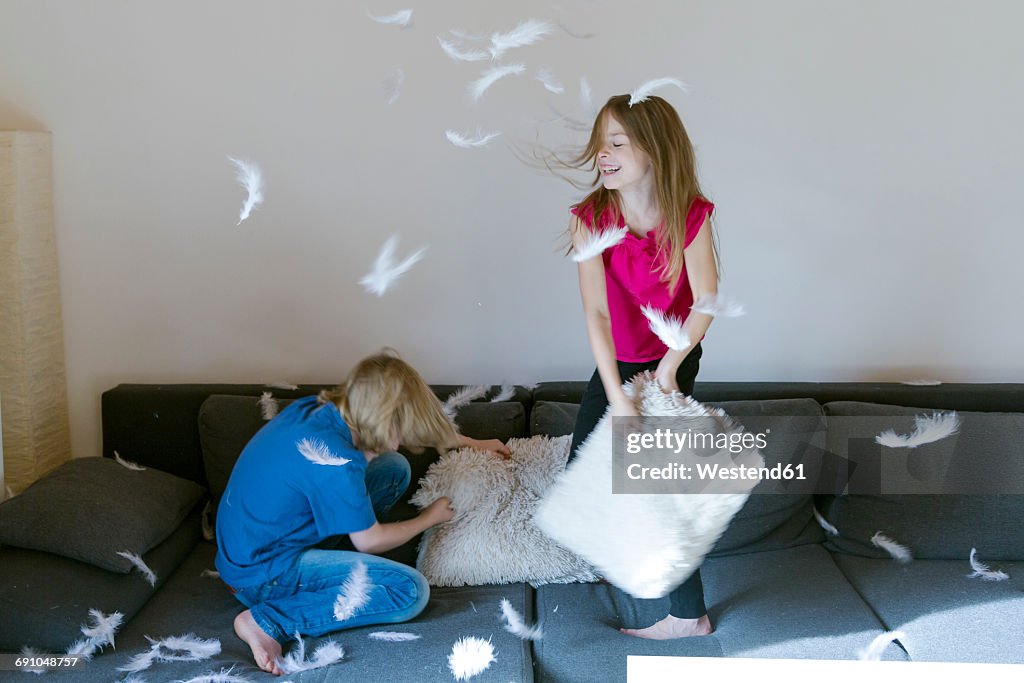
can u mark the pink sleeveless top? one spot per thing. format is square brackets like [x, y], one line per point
[632, 277]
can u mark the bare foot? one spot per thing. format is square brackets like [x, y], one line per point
[265, 649]
[672, 627]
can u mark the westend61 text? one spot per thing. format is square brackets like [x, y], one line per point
[715, 472]
[667, 439]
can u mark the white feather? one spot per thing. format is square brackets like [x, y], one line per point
[587, 99]
[317, 452]
[554, 610]
[128, 464]
[490, 76]
[646, 89]
[208, 532]
[31, 653]
[463, 396]
[507, 392]
[823, 523]
[385, 271]
[668, 327]
[249, 177]
[460, 55]
[473, 606]
[9, 493]
[184, 648]
[526, 33]
[98, 634]
[393, 85]
[982, 570]
[354, 594]
[922, 382]
[515, 625]
[873, 652]
[719, 306]
[927, 429]
[223, 676]
[140, 565]
[394, 636]
[469, 657]
[141, 661]
[282, 385]
[900, 553]
[209, 574]
[596, 242]
[460, 140]
[401, 18]
[550, 82]
[268, 406]
[326, 654]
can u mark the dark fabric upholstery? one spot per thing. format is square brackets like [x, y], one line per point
[90, 509]
[45, 598]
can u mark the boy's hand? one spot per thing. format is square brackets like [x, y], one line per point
[493, 445]
[439, 511]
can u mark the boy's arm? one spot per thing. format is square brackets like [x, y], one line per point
[380, 538]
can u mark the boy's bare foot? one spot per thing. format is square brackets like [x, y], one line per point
[265, 649]
[672, 627]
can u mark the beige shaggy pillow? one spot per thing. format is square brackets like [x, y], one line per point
[647, 544]
[492, 538]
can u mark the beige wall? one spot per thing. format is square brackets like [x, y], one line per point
[864, 157]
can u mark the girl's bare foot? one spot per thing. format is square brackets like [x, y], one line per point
[265, 650]
[672, 627]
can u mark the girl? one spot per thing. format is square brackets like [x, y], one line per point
[314, 472]
[647, 182]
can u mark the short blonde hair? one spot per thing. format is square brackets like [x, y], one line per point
[384, 397]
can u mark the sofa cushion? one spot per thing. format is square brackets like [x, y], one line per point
[493, 538]
[947, 616]
[985, 454]
[45, 599]
[90, 509]
[553, 418]
[190, 602]
[764, 605]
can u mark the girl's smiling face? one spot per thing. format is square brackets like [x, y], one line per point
[621, 163]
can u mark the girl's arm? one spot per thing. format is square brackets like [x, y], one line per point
[599, 326]
[702, 274]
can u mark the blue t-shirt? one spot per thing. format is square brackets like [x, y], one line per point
[279, 502]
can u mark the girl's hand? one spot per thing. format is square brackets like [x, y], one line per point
[623, 407]
[667, 382]
[439, 511]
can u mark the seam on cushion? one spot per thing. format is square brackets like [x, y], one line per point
[886, 626]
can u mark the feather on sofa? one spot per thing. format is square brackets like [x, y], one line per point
[776, 585]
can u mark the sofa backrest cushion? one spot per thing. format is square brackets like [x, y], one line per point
[768, 521]
[981, 500]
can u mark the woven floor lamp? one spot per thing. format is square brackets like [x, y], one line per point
[33, 388]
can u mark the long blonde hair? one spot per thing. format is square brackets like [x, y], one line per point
[655, 127]
[384, 398]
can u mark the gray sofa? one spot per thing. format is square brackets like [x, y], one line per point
[775, 584]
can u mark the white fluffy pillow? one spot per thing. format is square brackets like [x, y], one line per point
[492, 538]
[646, 544]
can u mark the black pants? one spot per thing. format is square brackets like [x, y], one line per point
[686, 601]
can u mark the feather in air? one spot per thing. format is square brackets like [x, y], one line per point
[479, 140]
[385, 271]
[983, 572]
[354, 593]
[515, 625]
[140, 565]
[596, 242]
[900, 553]
[250, 178]
[927, 429]
[668, 327]
[645, 90]
[317, 452]
[491, 76]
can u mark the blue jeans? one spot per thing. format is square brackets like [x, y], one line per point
[302, 598]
